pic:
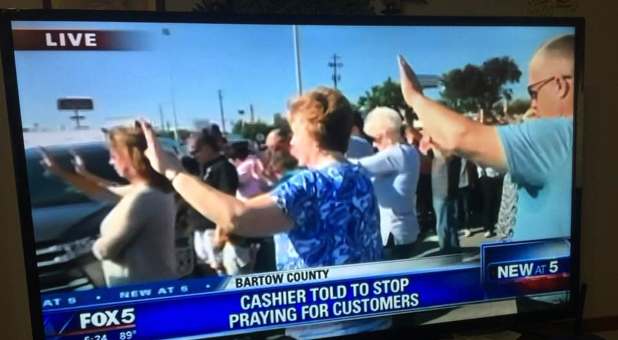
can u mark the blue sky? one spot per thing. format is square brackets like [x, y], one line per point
[251, 64]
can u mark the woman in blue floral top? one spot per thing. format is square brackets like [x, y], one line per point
[325, 215]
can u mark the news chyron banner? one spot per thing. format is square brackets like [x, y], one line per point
[218, 306]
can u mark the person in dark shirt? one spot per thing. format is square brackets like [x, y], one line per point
[217, 171]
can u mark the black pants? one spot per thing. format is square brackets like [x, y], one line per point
[463, 207]
[424, 209]
[399, 251]
[265, 258]
[491, 193]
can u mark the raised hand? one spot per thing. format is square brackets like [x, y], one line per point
[221, 237]
[410, 86]
[425, 144]
[49, 163]
[78, 164]
[161, 161]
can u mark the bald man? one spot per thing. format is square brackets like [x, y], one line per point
[537, 153]
[277, 139]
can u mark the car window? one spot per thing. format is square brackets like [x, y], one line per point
[48, 190]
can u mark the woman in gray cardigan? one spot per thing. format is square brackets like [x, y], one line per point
[395, 170]
[136, 243]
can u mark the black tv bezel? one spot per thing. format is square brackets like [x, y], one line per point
[18, 152]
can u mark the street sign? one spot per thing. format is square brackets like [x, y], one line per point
[73, 103]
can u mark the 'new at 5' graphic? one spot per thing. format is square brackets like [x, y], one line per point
[507, 271]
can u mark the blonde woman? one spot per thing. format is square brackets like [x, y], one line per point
[136, 243]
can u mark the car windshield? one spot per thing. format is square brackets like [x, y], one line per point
[49, 190]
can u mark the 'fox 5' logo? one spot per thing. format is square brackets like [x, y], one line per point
[106, 318]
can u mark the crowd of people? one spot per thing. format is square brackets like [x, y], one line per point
[335, 188]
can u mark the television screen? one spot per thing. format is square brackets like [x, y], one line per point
[190, 177]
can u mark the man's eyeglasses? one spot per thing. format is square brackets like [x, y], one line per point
[534, 92]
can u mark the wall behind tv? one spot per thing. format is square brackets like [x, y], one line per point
[600, 165]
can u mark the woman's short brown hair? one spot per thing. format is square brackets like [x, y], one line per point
[133, 140]
[329, 116]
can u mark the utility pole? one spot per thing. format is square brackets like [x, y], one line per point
[334, 65]
[221, 110]
[166, 32]
[241, 113]
[252, 114]
[161, 118]
[299, 82]
[175, 118]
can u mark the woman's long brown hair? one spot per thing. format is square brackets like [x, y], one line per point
[133, 140]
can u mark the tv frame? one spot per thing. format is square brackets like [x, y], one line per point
[572, 310]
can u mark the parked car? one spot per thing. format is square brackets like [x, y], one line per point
[170, 145]
[66, 222]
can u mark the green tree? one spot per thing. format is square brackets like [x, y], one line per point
[478, 87]
[518, 106]
[250, 130]
[386, 94]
